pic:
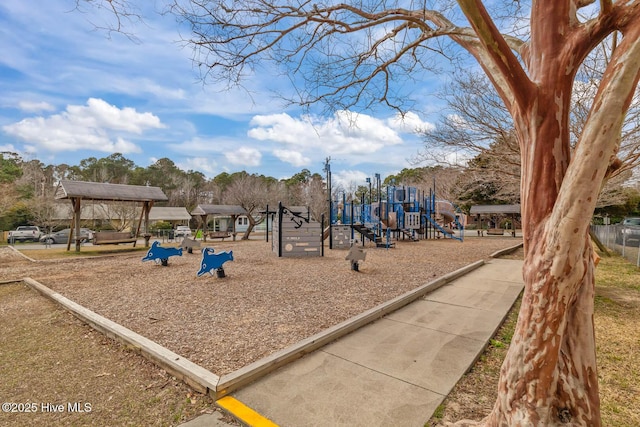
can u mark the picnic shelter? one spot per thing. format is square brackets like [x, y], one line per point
[77, 191]
[229, 211]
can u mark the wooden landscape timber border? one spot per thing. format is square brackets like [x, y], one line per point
[506, 251]
[194, 375]
[205, 381]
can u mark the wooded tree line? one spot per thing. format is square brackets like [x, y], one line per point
[491, 177]
[27, 186]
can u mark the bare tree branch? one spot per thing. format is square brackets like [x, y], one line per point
[345, 68]
[124, 12]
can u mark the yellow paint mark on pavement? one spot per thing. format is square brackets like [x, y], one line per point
[244, 413]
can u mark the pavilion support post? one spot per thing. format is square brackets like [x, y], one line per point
[267, 225]
[74, 229]
[146, 208]
[147, 234]
[204, 227]
[233, 225]
[71, 225]
[78, 215]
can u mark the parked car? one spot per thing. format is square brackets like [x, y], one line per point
[24, 233]
[629, 231]
[182, 231]
[62, 236]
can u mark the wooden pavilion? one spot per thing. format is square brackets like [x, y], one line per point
[495, 213]
[76, 191]
[232, 211]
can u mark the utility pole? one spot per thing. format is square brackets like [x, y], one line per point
[327, 170]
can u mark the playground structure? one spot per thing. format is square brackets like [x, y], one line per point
[295, 233]
[402, 212]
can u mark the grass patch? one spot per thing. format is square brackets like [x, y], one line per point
[617, 272]
[616, 318]
[617, 315]
[439, 412]
[49, 356]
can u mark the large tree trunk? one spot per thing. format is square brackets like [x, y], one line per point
[549, 376]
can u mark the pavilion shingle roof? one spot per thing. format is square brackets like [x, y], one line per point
[104, 191]
[220, 210]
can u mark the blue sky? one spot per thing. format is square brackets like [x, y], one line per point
[70, 92]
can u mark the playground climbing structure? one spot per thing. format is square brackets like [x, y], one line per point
[400, 212]
[442, 217]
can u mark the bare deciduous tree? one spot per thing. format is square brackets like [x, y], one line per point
[8, 197]
[33, 180]
[307, 189]
[478, 132]
[477, 135]
[42, 207]
[252, 193]
[120, 215]
[316, 198]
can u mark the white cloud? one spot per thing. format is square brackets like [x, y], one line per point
[409, 123]
[35, 107]
[97, 126]
[244, 156]
[8, 147]
[123, 146]
[344, 133]
[294, 158]
[349, 179]
[99, 114]
[206, 165]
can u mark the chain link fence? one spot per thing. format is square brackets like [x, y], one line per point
[620, 239]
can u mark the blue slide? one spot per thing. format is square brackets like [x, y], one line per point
[443, 230]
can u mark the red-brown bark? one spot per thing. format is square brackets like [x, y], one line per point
[549, 376]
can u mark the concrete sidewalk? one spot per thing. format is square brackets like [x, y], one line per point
[397, 370]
